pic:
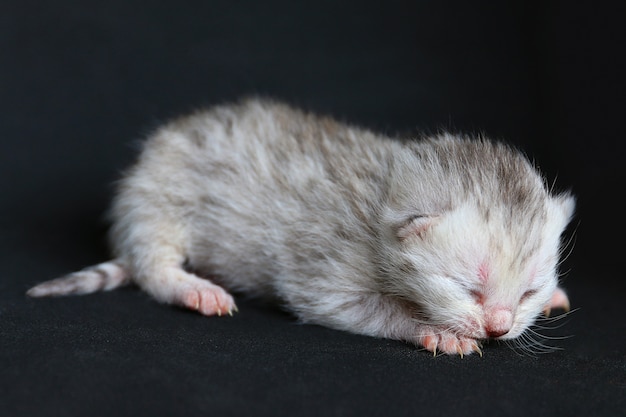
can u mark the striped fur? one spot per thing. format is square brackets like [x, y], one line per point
[102, 277]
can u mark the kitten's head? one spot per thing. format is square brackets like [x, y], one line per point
[477, 248]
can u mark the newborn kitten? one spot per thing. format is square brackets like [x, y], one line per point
[441, 242]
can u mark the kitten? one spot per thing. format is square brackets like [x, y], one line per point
[440, 242]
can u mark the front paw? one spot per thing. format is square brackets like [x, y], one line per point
[449, 343]
[559, 300]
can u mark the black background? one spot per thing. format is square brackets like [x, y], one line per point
[81, 82]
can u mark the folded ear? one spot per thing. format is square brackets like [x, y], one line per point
[417, 225]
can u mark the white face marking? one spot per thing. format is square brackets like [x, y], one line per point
[481, 278]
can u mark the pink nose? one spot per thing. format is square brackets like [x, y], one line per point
[498, 322]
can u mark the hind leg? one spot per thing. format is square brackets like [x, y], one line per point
[190, 291]
[174, 285]
[152, 231]
[158, 270]
[153, 239]
[157, 267]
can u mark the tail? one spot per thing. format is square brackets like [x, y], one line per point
[102, 277]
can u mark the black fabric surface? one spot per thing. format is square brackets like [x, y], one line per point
[81, 82]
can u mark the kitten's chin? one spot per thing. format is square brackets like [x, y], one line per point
[514, 333]
[472, 329]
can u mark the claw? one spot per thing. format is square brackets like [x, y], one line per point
[458, 349]
[236, 309]
[219, 312]
[476, 349]
[435, 350]
[546, 311]
[230, 313]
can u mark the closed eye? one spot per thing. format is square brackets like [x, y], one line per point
[528, 294]
[478, 296]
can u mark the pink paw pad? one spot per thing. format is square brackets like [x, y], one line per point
[451, 344]
[209, 301]
[559, 300]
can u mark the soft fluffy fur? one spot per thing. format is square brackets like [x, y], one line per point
[441, 242]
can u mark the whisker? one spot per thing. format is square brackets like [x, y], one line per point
[549, 328]
[569, 244]
[532, 343]
[549, 337]
[563, 274]
[552, 319]
[521, 347]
